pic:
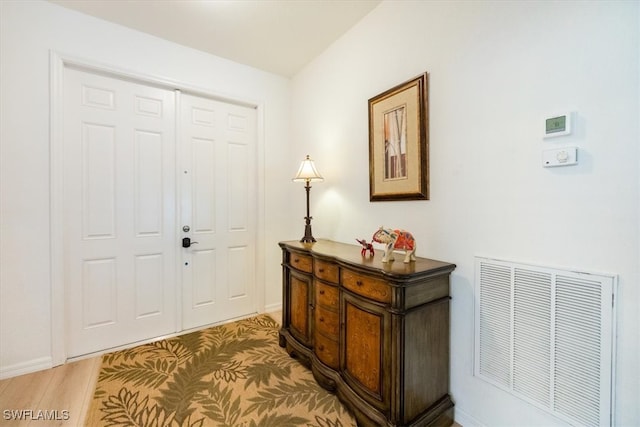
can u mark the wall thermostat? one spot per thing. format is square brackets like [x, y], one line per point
[557, 125]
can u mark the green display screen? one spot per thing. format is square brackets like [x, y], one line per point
[556, 124]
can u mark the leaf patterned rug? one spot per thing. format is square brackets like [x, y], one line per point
[230, 375]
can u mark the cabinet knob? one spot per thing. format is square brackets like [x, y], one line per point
[359, 282]
[321, 319]
[321, 291]
[321, 270]
[296, 260]
[321, 347]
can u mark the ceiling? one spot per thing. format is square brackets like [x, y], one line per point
[279, 36]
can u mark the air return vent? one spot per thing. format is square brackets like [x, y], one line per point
[546, 336]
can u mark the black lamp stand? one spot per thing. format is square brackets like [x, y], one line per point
[308, 237]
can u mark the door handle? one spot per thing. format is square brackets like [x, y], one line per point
[186, 242]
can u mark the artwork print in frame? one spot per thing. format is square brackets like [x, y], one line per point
[398, 142]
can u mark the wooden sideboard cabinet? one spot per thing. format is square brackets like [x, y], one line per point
[377, 334]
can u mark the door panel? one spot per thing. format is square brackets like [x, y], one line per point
[219, 188]
[120, 198]
[148, 283]
[239, 258]
[148, 183]
[98, 176]
[203, 188]
[238, 185]
[203, 268]
[99, 292]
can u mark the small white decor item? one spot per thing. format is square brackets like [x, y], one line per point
[396, 239]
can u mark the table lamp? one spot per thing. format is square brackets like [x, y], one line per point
[306, 174]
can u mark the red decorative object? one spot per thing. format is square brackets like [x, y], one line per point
[366, 247]
[396, 239]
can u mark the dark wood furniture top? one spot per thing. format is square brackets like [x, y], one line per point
[346, 254]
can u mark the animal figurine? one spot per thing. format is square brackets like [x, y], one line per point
[396, 239]
[366, 247]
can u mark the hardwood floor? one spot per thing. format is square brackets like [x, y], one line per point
[64, 392]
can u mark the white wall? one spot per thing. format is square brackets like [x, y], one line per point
[28, 32]
[496, 69]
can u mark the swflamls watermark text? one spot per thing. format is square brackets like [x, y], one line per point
[35, 414]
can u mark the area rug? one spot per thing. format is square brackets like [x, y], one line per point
[230, 375]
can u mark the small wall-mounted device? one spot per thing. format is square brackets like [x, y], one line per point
[565, 156]
[557, 125]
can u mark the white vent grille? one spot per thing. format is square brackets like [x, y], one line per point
[546, 336]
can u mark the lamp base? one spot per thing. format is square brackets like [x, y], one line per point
[308, 237]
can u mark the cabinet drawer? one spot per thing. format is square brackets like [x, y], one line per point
[301, 262]
[327, 295]
[327, 351]
[327, 322]
[326, 271]
[369, 287]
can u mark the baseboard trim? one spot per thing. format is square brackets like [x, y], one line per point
[465, 419]
[273, 307]
[26, 367]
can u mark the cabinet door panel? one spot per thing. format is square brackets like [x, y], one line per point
[364, 340]
[300, 291]
[365, 349]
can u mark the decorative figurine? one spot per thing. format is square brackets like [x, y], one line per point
[366, 247]
[396, 239]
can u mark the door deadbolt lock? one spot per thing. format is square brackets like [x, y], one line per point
[186, 242]
[186, 228]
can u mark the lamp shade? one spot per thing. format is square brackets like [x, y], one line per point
[308, 172]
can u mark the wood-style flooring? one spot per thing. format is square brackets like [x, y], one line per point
[68, 387]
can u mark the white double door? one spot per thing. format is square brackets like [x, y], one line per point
[144, 168]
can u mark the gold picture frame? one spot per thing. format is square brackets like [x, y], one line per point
[399, 142]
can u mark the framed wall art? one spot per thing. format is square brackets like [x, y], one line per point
[398, 142]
